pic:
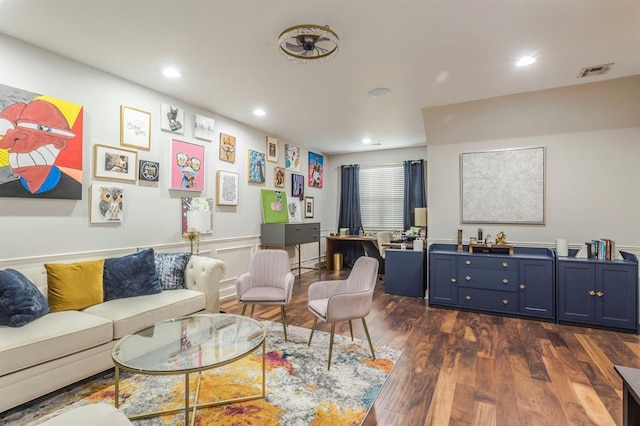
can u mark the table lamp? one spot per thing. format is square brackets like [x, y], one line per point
[421, 220]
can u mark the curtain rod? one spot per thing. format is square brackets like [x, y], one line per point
[373, 166]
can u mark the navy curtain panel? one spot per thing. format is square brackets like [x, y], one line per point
[350, 216]
[414, 191]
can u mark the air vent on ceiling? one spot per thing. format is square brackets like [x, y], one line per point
[595, 70]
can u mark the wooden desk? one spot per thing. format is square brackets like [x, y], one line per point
[409, 245]
[334, 243]
[630, 390]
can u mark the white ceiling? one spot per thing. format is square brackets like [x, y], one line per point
[428, 52]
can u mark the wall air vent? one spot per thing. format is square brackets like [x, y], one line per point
[595, 70]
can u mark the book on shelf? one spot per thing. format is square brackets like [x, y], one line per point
[603, 249]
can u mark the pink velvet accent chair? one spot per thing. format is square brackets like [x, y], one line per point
[345, 300]
[268, 282]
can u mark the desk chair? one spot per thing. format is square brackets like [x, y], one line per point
[382, 238]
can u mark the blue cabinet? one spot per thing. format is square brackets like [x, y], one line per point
[599, 293]
[404, 273]
[521, 284]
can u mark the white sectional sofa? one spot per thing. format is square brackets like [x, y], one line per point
[61, 348]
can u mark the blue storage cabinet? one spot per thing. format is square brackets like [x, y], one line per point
[404, 273]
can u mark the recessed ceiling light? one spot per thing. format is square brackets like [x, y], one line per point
[259, 112]
[379, 92]
[366, 141]
[171, 72]
[525, 60]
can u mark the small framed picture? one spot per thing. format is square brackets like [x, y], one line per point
[272, 149]
[114, 163]
[256, 167]
[107, 201]
[309, 207]
[203, 127]
[135, 128]
[227, 148]
[227, 188]
[278, 177]
[297, 186]
[172, 118]
[149, 171]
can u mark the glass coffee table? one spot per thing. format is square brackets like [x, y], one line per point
[189, 345]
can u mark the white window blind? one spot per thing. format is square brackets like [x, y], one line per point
[381, 197]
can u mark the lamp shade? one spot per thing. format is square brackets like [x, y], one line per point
[420, 216]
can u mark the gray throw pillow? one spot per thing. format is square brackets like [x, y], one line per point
[131, 275]
[20, 300]
[170, 269]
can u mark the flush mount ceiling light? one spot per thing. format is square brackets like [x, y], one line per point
[525, 61]
[308, 43]
[171, 72]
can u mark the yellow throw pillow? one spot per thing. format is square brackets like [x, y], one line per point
[74, 286]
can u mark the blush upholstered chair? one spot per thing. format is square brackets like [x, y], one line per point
[345, 300]
[382, 238]
[268, 282]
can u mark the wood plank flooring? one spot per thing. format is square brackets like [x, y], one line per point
[462, 368]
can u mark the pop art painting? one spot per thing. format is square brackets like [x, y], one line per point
[316, 170]
[40, 146]
[187, 166]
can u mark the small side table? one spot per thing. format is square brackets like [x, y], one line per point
[630, 390]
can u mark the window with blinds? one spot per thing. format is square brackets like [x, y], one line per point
[381, 197]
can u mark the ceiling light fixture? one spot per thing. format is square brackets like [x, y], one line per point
[259, 112]
[171, 72]
[525, 60]
[366, 141]
[308, 43]
[379, 92]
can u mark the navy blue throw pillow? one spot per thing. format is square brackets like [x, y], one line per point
[170, 269]
[131, 275]
[20, 300]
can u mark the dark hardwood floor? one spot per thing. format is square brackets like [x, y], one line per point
[462, 368]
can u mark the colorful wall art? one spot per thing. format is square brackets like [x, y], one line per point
[292, 159]
[274, 206]
[107, 201]
[187, 166]
[316, 170]
[197, 215]
[227, 148]
[40, 146]
[256, 167]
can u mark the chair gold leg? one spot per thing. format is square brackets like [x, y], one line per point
[244, 309]
[351, 330]
[333, 330]
[315, 322]
[284, 321]
[366, 331]
[252, 308]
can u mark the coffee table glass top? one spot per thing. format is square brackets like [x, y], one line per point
[190, 343]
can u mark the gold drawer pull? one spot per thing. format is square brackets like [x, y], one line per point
[453, 280]
[468, 278]
[467, 297]
[505, 265]
[591, 293]
[467, 262]
[505, 301]
[599, 294]
[505, 281]
[522, 286]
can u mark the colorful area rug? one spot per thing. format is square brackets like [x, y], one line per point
[300, 390]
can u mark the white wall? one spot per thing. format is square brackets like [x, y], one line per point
[45, 229]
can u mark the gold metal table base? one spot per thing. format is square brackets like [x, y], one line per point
[196, 406]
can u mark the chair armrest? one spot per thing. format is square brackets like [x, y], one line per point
[289, 279]
[243, 283]
[348, 306]
[324, 289]
[204, 274]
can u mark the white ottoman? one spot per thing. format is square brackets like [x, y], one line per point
[90, 414]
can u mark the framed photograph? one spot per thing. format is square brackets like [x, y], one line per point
[203, 127]
[149, 171]
[106, 203]
[256, 167]
[227, 188]
[503, 186]
[114, 163]
[316, 170]
[278, 177]
[292, 160]
[227, 148]
[197, 215]
[274, 206]
[272, 149]
[187, 166]
[309, 207]
[297, 186]
[135, 128]
[172, 118]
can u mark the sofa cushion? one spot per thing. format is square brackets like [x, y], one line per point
[170, 269]
[52, 336]
[74, 286]
[20, 300]
[135, 313]
[131, 275]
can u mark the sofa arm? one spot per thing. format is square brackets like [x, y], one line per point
[204, 274]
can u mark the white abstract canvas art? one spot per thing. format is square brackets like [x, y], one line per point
[295, 210]
[203, 127]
